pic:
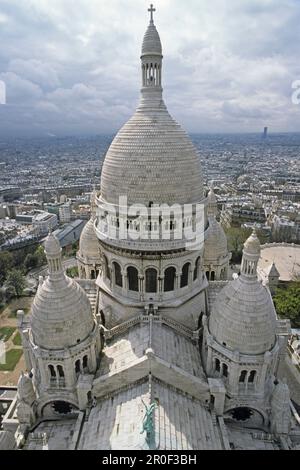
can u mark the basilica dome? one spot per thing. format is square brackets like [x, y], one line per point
[152, 159]
[88, 243]
[61, 314]
[215, 245]
[243, 317]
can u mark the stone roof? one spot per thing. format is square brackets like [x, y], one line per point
[61, 313]
[52, 245]
[252, 244]
[88, 243]
[165, 343]
[243, 317]
[215, 245]
[151, 42]
[152, 159]
[180, 421]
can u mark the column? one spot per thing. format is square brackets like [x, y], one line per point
[177, 280]
[141, 287]
[160, 287]
[124, 282]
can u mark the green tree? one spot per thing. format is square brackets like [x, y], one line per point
[2, 298]
[40, 253]
[6, 263]
[72, 272]
[31, 262]
[287, 303]
[236, 237]
[16, 280]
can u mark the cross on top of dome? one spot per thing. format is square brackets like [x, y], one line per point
[151, 11]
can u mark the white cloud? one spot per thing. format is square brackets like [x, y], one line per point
[228, 66]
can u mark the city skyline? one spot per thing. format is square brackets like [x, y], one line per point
[76, 72]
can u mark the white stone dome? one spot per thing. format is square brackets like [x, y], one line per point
[215, 246]
[152, 160]
[52, 245]
[61, 314]
[88, 243]
[252, 245]
[243, 317]
[151, 42]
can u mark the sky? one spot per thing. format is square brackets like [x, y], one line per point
[73, 67]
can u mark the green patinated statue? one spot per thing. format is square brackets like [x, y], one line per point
[148, 421]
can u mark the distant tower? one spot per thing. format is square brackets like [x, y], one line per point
[265, 134]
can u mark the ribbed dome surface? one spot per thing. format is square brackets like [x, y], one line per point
[243, 317]
[152, 159]
[52, 245]
[252, 245]
[88, 243]
[215, 245]
[151, 42]
[61, 314]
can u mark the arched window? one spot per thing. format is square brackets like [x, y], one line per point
[52, 371]
[151, 280]
[118, 275]
[252, 376]
[133, 279]
[225, 370]
[196, 268]
[93, 274]
[207, 275]
[77, 367]
[217, 365]
[184, 280]
[85, 363]
[60, 370]
[243, 376]
[170, 276]
[212, 275]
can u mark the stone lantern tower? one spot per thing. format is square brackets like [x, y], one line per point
[151, 162]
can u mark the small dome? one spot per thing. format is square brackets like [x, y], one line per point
[61, 314]
[215, 245]
[25, 389]
[212, 205]
[151, 42]
[252, 245]
[52, 246]
[243, 317]
[211, 197]
[88, 243]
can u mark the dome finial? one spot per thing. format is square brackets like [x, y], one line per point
[151, 11]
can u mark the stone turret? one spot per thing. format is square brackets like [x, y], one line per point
[216, 255]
